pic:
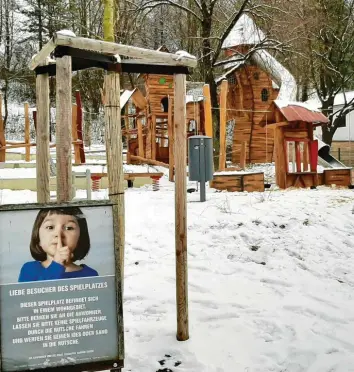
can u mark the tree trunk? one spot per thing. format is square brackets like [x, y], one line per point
[329, 129]
[108, 20]
[40, 24]
[327, 135]
[8, 37]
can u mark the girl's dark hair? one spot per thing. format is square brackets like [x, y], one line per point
[83, 244]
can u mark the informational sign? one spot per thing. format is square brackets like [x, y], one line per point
[58, 288]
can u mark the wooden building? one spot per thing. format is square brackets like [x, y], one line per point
[296, 149]
[158, 130]
[255, 80]
[251, 91]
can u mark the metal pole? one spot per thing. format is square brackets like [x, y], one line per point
[202, 173]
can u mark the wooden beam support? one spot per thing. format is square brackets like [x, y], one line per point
[140, 137]
[149, 161]
[79, 125]
[106, 47]
[208, 122]
[223, 102]
[110, 48]
[298, 156]
[280, 158]
[305, 157]
[180, 152]
[171, 141]
[41, 56]
[279, 124]
[148, 136]
[75, 135]
[27, 132]
[243, 155]
[126, 124]
[114, 151]
[42, 135]
[153, 137]
[63, 129]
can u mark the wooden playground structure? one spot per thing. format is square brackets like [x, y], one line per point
[294, 142]
[77, 137]
[264, 129]
[248, 112]
[149, 132]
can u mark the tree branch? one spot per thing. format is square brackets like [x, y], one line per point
[233, 20]
[151, 4]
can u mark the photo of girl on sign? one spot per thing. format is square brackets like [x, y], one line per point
[59, 238]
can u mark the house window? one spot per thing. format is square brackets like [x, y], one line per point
[256, 76]
[265, 95]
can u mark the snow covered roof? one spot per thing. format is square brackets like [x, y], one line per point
[194, 92]
[275, 85]
[299, 111]
[234, 67]
[281, 104]
[245, 32]
[278, 72]
[190, 98]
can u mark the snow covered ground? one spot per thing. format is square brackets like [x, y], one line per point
[271, 279]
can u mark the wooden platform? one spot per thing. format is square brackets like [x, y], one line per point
[302, 179]
[338, 177]
[238, 182]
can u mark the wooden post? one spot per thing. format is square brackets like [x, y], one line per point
[170, 141]
[27, 133]
[140, 137]
[223, 99]
[114, 151]
[280, 161]
[164, 133]
[243, 155]
[207, 111]
[34, 114]
[153, 137]
[77, 157]
[298, 156]
[148, 136]
[63, 129]
[305, 156]
[41, 119]
[127, 129]
[79, 125]
[180, 151]
[2, 134]
[293, 157]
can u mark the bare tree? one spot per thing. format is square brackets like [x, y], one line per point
[322, 52]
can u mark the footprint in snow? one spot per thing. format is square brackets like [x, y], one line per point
[168, 361]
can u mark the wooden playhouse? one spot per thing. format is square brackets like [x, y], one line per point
[157, 135]
[296, 149]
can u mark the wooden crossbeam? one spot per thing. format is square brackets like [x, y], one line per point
[109, 48]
